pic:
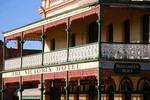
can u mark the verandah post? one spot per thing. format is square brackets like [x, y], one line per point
[67, 86]
[4, 48]
[43, 39]
[42, 88]
[20, 88]
[68, 35]
[22, 42]
[99, 49]
[2, 91]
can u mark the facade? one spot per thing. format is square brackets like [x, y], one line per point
[91, 50]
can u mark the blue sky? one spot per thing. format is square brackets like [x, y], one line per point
[16, 13]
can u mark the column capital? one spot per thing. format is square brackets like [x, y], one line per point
[67, 88]
[20, 89]
[99, 21]
[43, 36]
[42, 89]
[3, 90]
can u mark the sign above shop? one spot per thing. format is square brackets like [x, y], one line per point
[127, 68]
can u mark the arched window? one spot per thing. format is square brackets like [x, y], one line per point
[125, 87]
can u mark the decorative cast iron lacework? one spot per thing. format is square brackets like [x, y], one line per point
[125, 51]
[32, 61]
[13, 63]
[55, 57]
[26, 39]
[84, 52]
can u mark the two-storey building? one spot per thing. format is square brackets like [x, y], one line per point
[91, 50]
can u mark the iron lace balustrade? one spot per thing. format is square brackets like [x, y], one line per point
[133, 51]
[110, 51]
[78, 53]
[13, 63]
[32, 60]
[55, 57]
[83, 52]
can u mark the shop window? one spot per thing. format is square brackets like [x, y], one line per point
[127, 31]
[52, 44]
[93, 32]
[72, 40]
[110, 33]
[145, 27]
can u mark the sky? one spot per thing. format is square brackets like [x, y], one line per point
[16, 13]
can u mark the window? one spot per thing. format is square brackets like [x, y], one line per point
[52, 44]
[146, 87]
[110, 33]
[93, 32]
[127, 31]
[145, 27]
[126, 86]
[73, 40]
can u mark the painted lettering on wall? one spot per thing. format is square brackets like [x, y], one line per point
[46, 70]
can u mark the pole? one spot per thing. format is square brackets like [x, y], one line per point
[99, 49]
[20, 89]
[2, 91]
[21, 47]
[43, 39]
[68, 36]
[42, 88]
[4, 48]
[67, 87]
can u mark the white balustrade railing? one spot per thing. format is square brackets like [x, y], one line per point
[11, 64]
[55, 57]
[83, 52]
[32, 60]
[125, 51]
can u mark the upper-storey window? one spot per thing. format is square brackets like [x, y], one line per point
[145, 27]
[110, 33]
[52, 44]
[127, 31]
[93, 32]
[73, 40]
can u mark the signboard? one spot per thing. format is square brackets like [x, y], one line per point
[88, 82]
[127, 68]
[63, 83]
[54, 69]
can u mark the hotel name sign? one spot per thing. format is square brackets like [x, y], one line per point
[127, 68]
[54, 69]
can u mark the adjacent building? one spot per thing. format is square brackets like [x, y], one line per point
[91, 50]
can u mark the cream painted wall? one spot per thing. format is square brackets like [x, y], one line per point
[80, 28]
[117, 19]
[59, 34]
